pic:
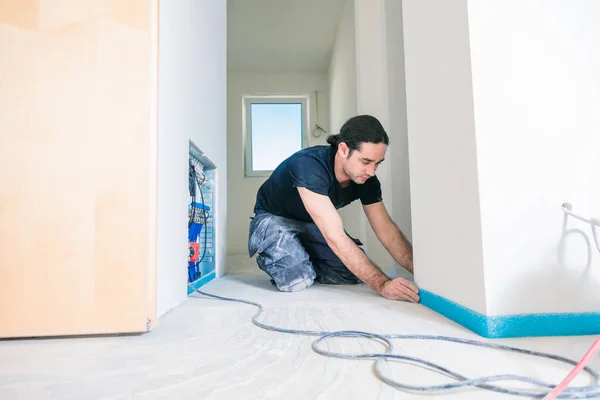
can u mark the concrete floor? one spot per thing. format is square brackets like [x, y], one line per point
[209, 349]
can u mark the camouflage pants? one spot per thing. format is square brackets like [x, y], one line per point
[295, 254]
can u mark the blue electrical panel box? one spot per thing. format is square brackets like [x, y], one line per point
[201, 228]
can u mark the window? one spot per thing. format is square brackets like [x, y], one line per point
[274, 129]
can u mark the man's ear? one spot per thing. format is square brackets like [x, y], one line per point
[344, 149]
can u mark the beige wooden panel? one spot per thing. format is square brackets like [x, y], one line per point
[77, 166]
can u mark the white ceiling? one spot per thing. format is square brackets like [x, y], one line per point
[281, 35]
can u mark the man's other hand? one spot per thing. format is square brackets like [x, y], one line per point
[400, 289]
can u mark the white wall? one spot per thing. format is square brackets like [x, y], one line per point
[342, 71]
[499, 138]
[242, 189]
[342, 100]
[192, 89]
[398, 149]
[446, 227]
[372, 98]
[536, 84]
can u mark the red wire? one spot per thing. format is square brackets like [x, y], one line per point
[590, 353]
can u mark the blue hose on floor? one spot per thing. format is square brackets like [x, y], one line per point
[581, 392]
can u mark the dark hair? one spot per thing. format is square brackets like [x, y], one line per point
[360, 129]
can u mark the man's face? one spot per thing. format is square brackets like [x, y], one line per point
[361, 165]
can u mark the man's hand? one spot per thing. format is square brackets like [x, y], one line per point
[400, 289]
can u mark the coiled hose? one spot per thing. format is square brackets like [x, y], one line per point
[581, 392]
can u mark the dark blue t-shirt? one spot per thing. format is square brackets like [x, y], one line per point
[311, 168]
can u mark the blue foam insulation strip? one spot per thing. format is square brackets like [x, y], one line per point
[513, 326]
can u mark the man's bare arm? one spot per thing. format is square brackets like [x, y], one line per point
[330, 224]
[390, 235]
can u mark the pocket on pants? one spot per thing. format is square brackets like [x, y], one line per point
[258, 233]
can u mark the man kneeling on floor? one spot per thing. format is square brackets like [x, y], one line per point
[299, 235]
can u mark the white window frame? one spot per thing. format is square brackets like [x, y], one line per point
[248, 100]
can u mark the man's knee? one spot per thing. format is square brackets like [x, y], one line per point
[282, 256]
[289, 274]
[296, 285]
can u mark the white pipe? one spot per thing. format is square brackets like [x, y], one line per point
[567, 207]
